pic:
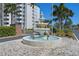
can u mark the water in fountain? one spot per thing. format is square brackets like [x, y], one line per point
[36, 39]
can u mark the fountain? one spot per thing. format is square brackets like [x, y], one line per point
[40, 40]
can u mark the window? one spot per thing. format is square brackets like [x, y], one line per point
[32, 10]
[6, 23]
[18, 14]
[19, 3]
[32, 17]
[23, 11]
[23, 15]
[19, 7]
[19, 11]
[23, 7]
[6, 19]
[18, 19]
[6, 15]
[36, 21]
[28, 3]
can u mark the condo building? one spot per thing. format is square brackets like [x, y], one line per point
[42, 18]
[26, 16]
[5, 19]
[1, 14]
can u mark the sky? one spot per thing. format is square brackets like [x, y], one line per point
[46, 8]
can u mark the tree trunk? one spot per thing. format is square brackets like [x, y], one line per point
[60, 24]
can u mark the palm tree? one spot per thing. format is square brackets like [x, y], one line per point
[10, 8]
[68, 23]
[62, 13]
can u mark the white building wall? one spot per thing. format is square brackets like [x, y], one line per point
[8, 21]
[42, 18]
[19, 17]
[28, 22]
[4, 17]
[26, 18]
[0, 14]
[37, 13]
[29, 16]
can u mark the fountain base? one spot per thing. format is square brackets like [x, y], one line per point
[42, 43]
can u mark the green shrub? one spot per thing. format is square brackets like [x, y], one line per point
[54, 30]
[68, 32]
[29, 30]
[60, 33]
[7, 31]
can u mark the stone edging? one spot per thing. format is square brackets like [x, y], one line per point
[9, 38]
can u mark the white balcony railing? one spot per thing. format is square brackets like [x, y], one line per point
[20, 21]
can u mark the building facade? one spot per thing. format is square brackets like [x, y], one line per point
[1, 14]
[5, 19]
[26, 16]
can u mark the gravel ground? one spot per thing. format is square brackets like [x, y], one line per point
[17, 48]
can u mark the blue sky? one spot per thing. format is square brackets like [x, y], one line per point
[46, 8]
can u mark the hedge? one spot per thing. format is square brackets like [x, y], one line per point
[7, 31]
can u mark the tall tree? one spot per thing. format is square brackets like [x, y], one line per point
[61, 13]
[68, 23]
[10, 8]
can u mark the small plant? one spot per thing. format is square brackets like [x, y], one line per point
[29, 30]
[7, 31]
[60, 33]
[45, 33]
[68, 32]
[54, 30]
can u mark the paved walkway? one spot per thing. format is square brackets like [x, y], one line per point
[17, 48]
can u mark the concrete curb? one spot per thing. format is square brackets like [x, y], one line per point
[9, 38]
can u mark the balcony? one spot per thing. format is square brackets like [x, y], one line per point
[6, 14]
[6, 17]
[6, 20]
[20, 5]
[20, 17]
[19, 9]
[6, 23]
[19, 21]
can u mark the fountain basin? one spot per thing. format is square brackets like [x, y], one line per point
[53, 41]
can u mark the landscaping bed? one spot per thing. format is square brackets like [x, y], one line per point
[7, 31]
